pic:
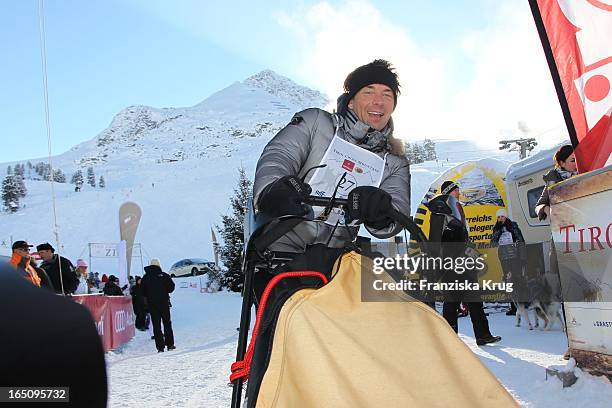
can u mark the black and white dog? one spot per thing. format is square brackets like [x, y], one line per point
[544, 304]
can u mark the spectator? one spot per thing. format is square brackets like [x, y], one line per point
[565, 167]
[35, 351]
[112, 288]
[20, 259]
[156, 287]
[97, 280]
[45, 282]
[53, 264]
[139, 305]
[480, 324]
[507, 236]
[91, 280]
[82, 274]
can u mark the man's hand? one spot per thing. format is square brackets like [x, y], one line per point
[371, 205]
[284, 196]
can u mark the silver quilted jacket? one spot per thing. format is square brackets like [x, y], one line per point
[301, 145]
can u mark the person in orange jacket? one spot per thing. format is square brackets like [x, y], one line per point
[21, 260]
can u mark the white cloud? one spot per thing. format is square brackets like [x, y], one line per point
[507, 83]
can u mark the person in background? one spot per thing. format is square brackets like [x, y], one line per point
[53, 264]
[49, 341]
[565, 167]
[104, 280]
[156, 287]
[20, 259]
[96, 280]
[507, 236]
[45, 281]
[480, 323]
[138, 305]
[82, 274]
[112, 288]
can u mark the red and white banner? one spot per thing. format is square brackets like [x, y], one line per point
[580, 33]
[113, 317]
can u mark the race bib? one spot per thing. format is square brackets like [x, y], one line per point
[505, 238]
[347, 166]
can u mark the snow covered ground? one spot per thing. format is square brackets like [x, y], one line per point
[196, 373]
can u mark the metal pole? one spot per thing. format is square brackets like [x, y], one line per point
[245, 321]
[523, 150]
[90, 266]
[141, 264]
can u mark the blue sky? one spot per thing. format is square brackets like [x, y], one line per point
[457, 60]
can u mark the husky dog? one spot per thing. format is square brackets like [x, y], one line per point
[549, 312]
[522, 309]
[544, 303]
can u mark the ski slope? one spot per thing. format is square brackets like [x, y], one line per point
[196, 373]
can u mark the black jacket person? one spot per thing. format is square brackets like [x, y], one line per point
[156, 287]
[52, 263]
[49, 341]
[457, 240]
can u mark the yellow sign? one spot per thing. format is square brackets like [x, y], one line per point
[482, 193]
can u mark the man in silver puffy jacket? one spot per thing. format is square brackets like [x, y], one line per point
[363, 119]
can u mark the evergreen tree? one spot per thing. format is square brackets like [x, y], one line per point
[10, 196]
[9, 170]
[19, 186]
[418, 153]
[19, 170]
[101, 183]
[430, 149]
[46, 172]
[77, 179]
[29, 165]
[39, 168]
[232, 233]
[59, 176]
[91, 177]
[415, 153]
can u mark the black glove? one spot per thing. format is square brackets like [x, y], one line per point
[285, 196]
[371, 205]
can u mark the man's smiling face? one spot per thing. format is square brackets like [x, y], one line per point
[373, 105]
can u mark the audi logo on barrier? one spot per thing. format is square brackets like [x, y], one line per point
[120, 321]
[100, 326]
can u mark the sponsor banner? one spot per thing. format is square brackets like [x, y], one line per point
[483, 192]
[122, 320]
[103, 250]
[98, 307]
[106, 250]
[129, 218]
[581, 224]
[589, 326]
[579, 33]
[113, 318]
[190, 285]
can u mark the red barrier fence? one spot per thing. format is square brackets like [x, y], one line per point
[113, 316]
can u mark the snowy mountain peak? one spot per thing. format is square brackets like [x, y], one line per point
[284, 88]
[253, 110]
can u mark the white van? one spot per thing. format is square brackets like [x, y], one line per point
[524, 185]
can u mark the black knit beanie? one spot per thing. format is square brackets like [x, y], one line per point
[376, 72]
[563, 153]
[448, 186]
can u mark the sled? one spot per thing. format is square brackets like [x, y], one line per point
[315, 343]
